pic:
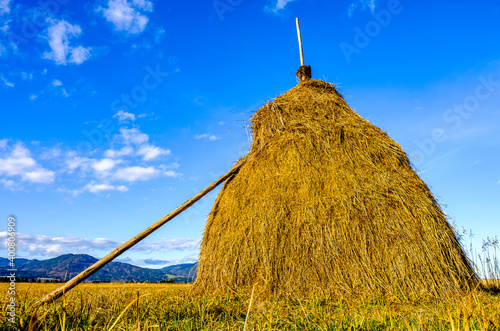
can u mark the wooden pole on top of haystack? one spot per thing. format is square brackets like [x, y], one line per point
[300, 42]
[304, 72]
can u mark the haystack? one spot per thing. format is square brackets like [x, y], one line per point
[327, 202]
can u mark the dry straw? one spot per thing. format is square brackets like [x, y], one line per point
[327, 202]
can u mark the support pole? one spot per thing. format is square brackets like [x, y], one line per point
[300, 43]
[124, 247]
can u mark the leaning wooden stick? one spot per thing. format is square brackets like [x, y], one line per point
[300, 42]
[120, 250]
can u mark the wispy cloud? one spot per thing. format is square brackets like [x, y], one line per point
[57, 84]
[124, 117]
[127, 16]
[178, 244]
[206, 136]
[2, 50]
[44, 245]
[124, 151]
[51, 153]
[361, 4]
[8, 183]
[74, 161]
[105, 165]
[6, 82]
[281, 4]
[4, 7]
[5, 25]
[132, 136]
[40, 176]
[133, 174]
[54, 246]
[27, 76]
[58, 36]
[150, 152]
[278, 5]
[98, 188]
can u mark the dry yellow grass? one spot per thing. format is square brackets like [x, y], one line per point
[327, 203]
[170, 307]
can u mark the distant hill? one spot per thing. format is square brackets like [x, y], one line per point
[67, 266]
[187, 270]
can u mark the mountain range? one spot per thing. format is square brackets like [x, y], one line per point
[67, 266]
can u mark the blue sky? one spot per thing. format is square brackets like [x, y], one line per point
[115, 112]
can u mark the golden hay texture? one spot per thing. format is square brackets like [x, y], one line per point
[325, 201]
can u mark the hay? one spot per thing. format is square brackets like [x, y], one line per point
[326, 201]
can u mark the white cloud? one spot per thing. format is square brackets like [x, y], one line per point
[178, 244]
[32, 97]
[80, 54]
[132, 174]
[124, 151]
[54, 246]
[124, 116]
[280, 4]
[3, 143]
[105, 165]
[98, 188]
[59, 34]
[37, 244]
[51, 153]
[128, 16]
[6, 26]
[171, 173]
[18, 162]
[8, 183]
[4, 7]
[58, 84]
[72, 192]
[74, 161]
[134, 136]
[192, 258]
[6, 82]
[363, 4]
[150, 152]
[40, 176]
[206, 136]
[27, 76]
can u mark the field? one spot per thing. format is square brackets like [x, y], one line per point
[169, 307]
